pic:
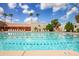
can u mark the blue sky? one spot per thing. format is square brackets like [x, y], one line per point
[61, 11]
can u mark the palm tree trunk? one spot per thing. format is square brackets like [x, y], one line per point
[11, 19]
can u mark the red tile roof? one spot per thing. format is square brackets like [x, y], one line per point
[18, 25]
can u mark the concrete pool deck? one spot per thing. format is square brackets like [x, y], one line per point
[39, 53]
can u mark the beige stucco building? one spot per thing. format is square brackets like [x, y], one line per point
[76, 26]
[26, 26]
[37, 26]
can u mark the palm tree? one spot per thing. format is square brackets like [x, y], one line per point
[55, 23]
[31, 14]
[37, 14]
[11, 15]
[69, 27]
[77, 18]
[35, 28]
[44, 29]
[5, 14]
[77, 29]
[49, 27]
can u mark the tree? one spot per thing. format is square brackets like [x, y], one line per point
[77, 18]
[49, 27]
[37, 14]
[69, 27]
[5, 14]
[55, 23]
[31, 14]
[44, 29]
[77, 29]
[11, 15]
[35, 28]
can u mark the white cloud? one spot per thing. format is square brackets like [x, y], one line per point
[28, 11]
[55, 9]
[23, 6]
[7, 20]
[54, 6]
[73, 10]
[58, 6]
[63, 17]
[25, 9]
[31, 11]
[16, 20]
[0, 19]
[12, 5]
[1, 11]
[45, 5]
[34, 19]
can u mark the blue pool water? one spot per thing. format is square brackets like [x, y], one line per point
[38, 41]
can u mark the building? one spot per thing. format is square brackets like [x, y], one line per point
[37, 26]
[27, 26]
[76, 26]
[7, 26]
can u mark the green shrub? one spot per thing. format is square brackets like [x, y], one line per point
[69, 27]
[49, 27]
[78, 30]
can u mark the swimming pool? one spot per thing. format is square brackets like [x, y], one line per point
[38, 41]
